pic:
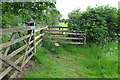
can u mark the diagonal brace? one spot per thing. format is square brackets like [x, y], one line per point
[5, 58]
[8, 48]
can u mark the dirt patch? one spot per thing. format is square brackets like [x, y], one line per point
[27, 68]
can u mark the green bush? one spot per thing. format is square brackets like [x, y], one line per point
[9, 21]
[100, 23]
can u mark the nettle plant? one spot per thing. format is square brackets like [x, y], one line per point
[100, 23]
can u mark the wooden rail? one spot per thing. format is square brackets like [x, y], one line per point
[18, 29]
[57, 27]
[64, 31]
[51, 33]
[64, 38]
[13, 62]
[67, 42]
[58, 32]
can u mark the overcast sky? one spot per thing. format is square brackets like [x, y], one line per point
[66, 6]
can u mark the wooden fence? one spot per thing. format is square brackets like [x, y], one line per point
[63, 33]
[13, 62]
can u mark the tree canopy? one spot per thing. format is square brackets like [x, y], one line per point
[16, 13]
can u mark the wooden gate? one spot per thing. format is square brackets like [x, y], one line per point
[64, 35]
[13, 61]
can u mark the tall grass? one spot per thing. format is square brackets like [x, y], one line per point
[100, 62]
[71, 61]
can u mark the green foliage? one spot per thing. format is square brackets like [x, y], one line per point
[14, 13]
[100, 23]
[54, 17]
[119, 20]
[64, 21]
[9, 21]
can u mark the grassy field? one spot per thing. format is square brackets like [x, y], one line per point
[63, 24]
[70, 61]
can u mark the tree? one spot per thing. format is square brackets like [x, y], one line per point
[22, 12]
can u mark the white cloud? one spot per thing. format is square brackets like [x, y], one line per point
[66, 6]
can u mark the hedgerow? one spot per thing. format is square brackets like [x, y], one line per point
[101, 23]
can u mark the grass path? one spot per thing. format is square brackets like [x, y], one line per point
[60, 65]
[75, 62]
[69, 66]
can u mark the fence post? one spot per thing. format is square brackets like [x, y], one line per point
[30, 32]
[85, 37]
[31, 24]
[27, 48]
[0, 63]
[34, 34]
[41, 32]
[0, 53]
[0, 43]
